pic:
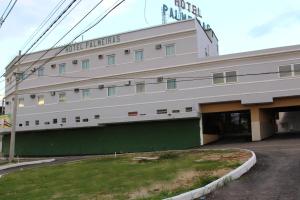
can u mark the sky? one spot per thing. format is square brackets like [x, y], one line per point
[239, 25]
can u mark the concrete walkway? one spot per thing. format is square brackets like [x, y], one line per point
[276, 176]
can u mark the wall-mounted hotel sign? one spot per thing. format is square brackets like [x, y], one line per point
[100, 42]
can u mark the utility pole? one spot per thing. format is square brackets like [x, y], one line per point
[14, 116]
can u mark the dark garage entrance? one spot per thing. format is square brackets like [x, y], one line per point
[227, 124]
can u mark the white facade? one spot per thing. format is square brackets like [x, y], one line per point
[129, 78]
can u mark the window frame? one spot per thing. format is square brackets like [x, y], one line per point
[291, 71]
[115, 91]
[170, 45]
[85, 64]
[86, 94]
[60, 66]
[19, 102]
[139, 83]
[135, 55]
[41, 71]
[167, 83]
[108, 59]
[38, 100]
[225, 76]
[62, 100]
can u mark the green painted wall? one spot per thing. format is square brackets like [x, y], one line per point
[130, 137]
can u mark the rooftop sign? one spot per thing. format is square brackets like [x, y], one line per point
[177, 13]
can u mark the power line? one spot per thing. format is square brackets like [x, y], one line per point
[69, 11]
[6, 9]
[3, 18]
[64, 47]
[44, 22]
[63, 36]
[184, 79]
[49, 27]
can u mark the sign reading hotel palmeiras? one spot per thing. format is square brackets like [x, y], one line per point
[177, 14]
[93, 43]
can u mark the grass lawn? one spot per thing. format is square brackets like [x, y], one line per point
[122, 177]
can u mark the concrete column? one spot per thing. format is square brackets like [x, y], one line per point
[262, 123]
[255, 124]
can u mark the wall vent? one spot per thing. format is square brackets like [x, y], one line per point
[127, 51]
[32, 96]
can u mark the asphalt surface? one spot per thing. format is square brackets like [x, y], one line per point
[276, 176]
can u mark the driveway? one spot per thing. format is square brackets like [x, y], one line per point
[276, 176]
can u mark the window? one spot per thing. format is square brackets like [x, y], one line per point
[27, 123]
[170, 50]
[297, 69]
[85, 93]
[97, 116]
[20, 125]
[175, 111]
[37, 122]
[21, 102]
[46, 123]
[218, 78]
[62, 97]
[85, 120]
[111, 59]
[111, 91]
[62, 68]
[171, 84]
[231, 77]
[189, 109]
[40, 71]
[140, 87]
[162, 111]
[41, 100]
[77, 119]
[64, 120]
[285, 71]
[21, 76]
[54, 121]
[85, 64]
[139, 55]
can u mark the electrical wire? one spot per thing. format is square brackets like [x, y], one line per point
[3, 18]
[64, 35]
[5, 9]
[183, 79]
[64, 47]
[49, 27]
[44, 22]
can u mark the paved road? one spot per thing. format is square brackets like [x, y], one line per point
[276, 176]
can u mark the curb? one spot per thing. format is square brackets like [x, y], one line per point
[25, 164]
[233, 175]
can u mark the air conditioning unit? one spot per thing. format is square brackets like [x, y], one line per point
[53, 66]
[160, 79]
[101, 87]
[127, 51]
[33, 70]
[158, 46]
[100, 56]
[32, 96]
[75, 62]
[52, 93]
[128, 83]
[76, 90]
